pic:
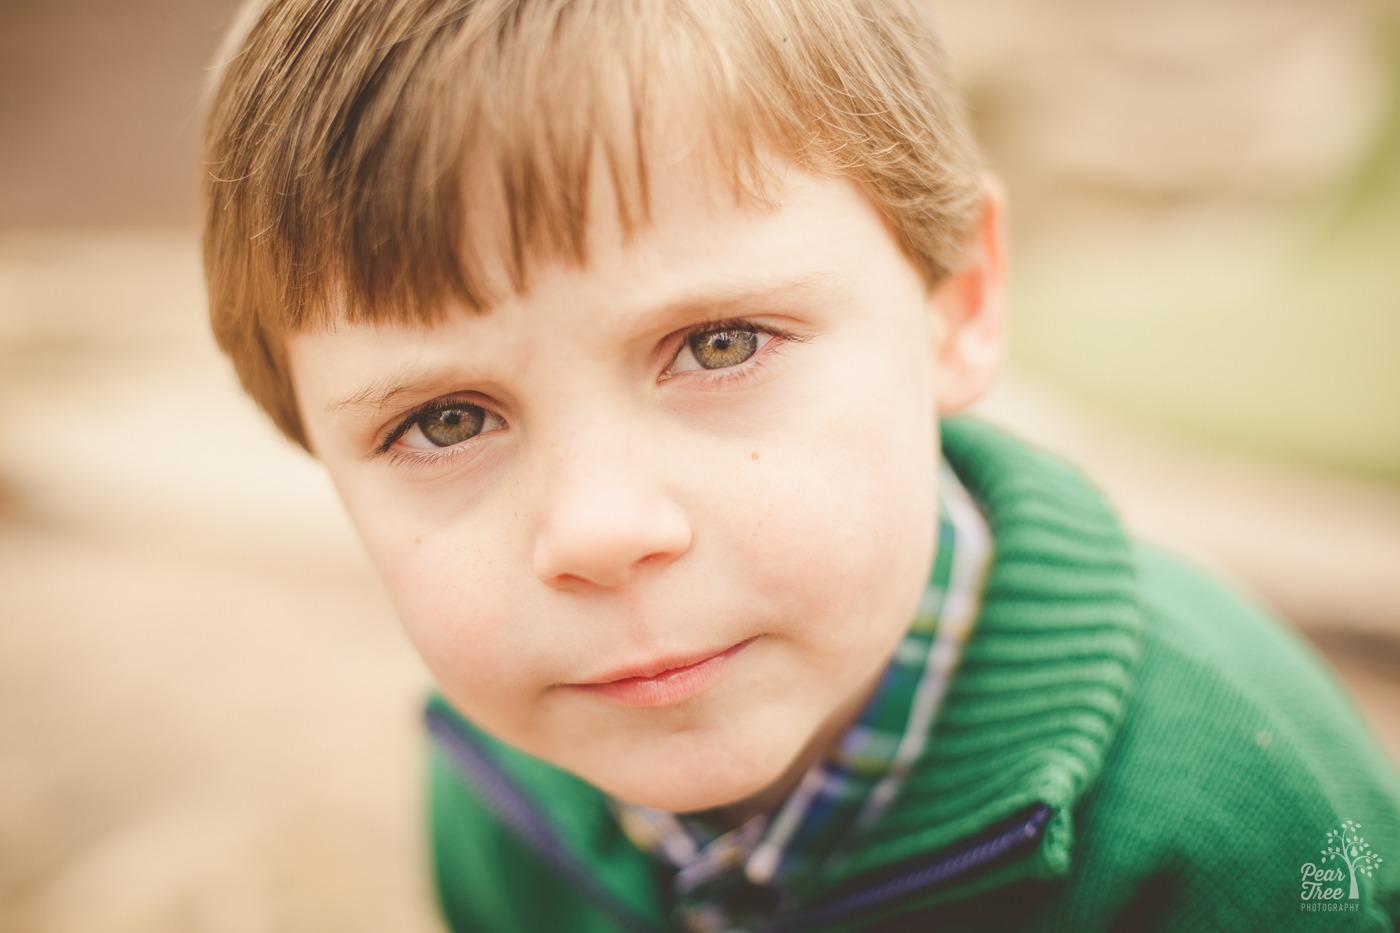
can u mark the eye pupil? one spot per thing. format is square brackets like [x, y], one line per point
[449, 426]
[718, 349]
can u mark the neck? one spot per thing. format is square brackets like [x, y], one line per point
[767, 801]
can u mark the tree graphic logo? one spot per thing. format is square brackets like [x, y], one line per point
[1346, 844]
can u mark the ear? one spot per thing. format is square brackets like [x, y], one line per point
[969, 311]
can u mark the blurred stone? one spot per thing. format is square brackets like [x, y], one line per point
[1136, 103]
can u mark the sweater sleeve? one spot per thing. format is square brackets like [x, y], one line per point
[1238, 756]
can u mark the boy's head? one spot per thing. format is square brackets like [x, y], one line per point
[622, 328]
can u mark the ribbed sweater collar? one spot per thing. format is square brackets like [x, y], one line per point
[1042, 685]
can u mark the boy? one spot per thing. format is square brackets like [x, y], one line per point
[626, 330]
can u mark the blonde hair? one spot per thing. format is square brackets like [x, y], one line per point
[348, 140]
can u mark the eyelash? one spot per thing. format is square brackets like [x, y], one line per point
[713, 377]
[425, 457]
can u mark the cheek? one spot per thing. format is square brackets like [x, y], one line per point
[849, 511]
[453, 599]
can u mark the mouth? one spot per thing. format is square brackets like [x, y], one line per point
[664, 682]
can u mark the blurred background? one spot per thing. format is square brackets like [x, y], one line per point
[208, 720]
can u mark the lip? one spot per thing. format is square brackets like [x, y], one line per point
[664, 682]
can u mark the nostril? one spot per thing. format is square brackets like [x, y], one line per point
[609, 549]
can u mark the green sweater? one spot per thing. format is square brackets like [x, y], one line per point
[1127, 746]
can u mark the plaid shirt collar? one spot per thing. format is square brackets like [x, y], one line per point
[723, 877]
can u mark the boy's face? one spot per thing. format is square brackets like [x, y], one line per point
[662, 520]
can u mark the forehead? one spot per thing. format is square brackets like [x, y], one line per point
[664, 210]
[703, 242]
[702, 245]
[704, 256]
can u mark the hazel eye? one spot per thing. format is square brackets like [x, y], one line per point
[445, 427]
[718, 349]
[721, 348]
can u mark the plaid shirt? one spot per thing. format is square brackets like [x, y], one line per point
[725, 878]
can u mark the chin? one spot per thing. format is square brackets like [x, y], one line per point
[693, 796]
[703, 786]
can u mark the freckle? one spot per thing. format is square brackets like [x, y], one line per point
[417, 540]
[754, 455]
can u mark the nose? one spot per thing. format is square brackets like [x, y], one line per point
[606, 518]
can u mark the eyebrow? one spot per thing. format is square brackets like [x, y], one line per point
[730, 300]
[722, 301]
[381, 393]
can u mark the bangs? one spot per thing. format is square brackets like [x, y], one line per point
[465, 154]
